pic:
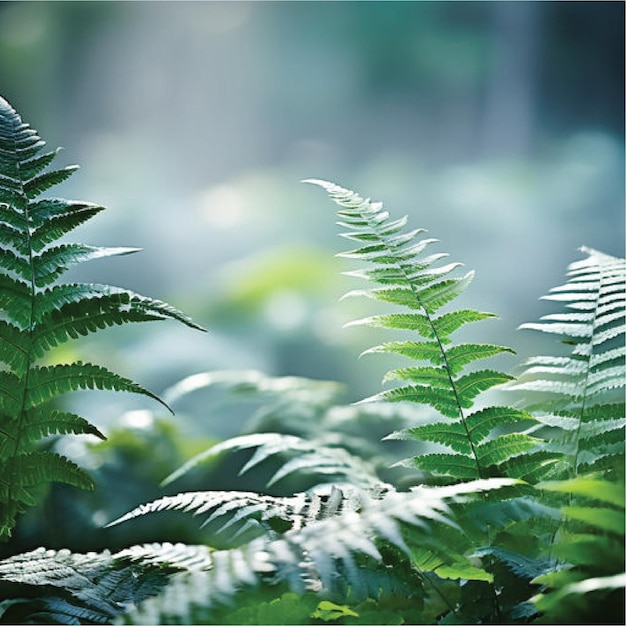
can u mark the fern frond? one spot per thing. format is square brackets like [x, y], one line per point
[95, 587]
[46, 383]
[240, 512]
[364, 546]
[22, 476]
[255, 383]
[587, 385]
[332, 545]
[411, 279]
[55, 260]
[42, 421]
[54, 217]
[37, 313]
[309, 457]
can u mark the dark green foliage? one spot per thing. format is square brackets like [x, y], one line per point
[37, 314]
[590, 555]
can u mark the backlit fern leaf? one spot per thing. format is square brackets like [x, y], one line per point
[581, 394]
[471, 446]
[37, 314]
[332, 544]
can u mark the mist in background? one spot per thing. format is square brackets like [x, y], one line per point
[497, 126]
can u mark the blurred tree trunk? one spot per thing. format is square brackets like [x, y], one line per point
[511, 92]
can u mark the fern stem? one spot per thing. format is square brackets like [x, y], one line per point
[585, 387]
[30, 326]
[453, 608]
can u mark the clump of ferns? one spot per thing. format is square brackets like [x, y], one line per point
[476, 543]
[476, 446]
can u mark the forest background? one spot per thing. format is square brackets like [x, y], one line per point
[499, 126]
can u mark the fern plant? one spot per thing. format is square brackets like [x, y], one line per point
[325, 543]
[37, 313]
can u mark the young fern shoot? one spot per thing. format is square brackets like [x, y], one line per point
[407, 276]
[37, 313]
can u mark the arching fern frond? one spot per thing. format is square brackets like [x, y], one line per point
[240, 512]
[310, 457]
[292, 406]
[470, 444]
[581, 395]
[363, 545]
[37, 314]
[345, 540]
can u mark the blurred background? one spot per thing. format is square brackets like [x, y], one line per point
[497, 126]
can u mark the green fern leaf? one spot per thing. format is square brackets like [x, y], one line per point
[411, 279]
[53, 261]
[465, 353]
[415, 350]
[452, 434]
[96, 587]
[53, 218]
[36, 468]
[441, 399]
[586, 386]
[10, 398]
[459, 466]
[504, 448]
[38, 314]
[13, 347]
[45, 383]
[481, 423]
[35, 186]
[15, 300]
[24, 473]
[429, 328]
[473, 384]
[47, 420]
[104, 307]
[40, 422]
[31, 167]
